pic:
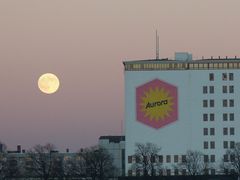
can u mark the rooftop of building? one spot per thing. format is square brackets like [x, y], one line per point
[114, 139]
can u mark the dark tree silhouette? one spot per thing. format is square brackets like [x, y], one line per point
[98, 162]
[146, 159]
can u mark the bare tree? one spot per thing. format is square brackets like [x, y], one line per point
[3, 164]
[98, 162]
[194, 163]
[146, 159]
[41, 161]
[232, 160]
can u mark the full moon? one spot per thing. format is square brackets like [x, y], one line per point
[48, 83]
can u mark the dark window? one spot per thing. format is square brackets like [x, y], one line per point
[205, 131]
[212, 158]
[231, 131]
[138, 172]
[225, 104]
[212, 131]
[225, 158]
[168, 172]
[205, 157]
[161, 159]
[205, 145]
[184, 159]
[204, 89]
[231, 89]
[129, 172]
[211, 103]
[168, 158]
[211, 89]
[212, 117]
[225, 116]
[129, 159]
[153, 159]
[231, 76]
[232, 144]
[212, 145]
[205, 117]
[225, 131]
[137, 158]
[224, 89]
[175, 158]
[176, 172]
[225, 144]
[184, 172]
[211, 77]
[205, 103]
[160, 172]
[224, 76]
[213, 171]
[232, 157]
[231, 117]
[231, 103]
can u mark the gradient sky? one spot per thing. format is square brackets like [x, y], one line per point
[84, 43]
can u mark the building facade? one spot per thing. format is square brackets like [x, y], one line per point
[115, 145]
[182, 105]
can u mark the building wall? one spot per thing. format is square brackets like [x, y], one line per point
[187, 132]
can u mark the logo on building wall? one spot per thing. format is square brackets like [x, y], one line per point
[157, 103]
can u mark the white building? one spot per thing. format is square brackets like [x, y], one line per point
[115, 145]
[181, 105]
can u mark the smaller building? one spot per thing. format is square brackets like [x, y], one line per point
[115, 145]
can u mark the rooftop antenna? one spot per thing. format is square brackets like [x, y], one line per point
[157, 46]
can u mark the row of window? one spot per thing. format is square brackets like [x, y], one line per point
[211, 131]
[225, 103]
[181, 66]
[225, 89]
[211, 144]
[228, 144]
[225, 76]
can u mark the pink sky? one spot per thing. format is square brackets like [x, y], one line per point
[84, 42]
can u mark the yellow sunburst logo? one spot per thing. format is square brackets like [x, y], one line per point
[157, 104]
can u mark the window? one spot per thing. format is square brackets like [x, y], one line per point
[211, 77]
[231, 131]
[232, 157]
[129, 172]
[184, 158]
[225, 158]
[213, 171]
[204, 89]
[153, 159]
[184, 172]
[160, 172]
[205, 117]
[225, 144]
[211, 89]
[231, 76]
[205, 131]
[168, 172]
[176, 171]
[175, 158]
[212, 131]
[231, 117]
[225, 131]
[205, 157]
[232, 144]
[224, 89]
[205, 103]
[225, 104]
[168, 158]
[129, 159]
[224, 76]
[212, 117]
[231, 102]
[211, 103]
[161, 159]
[212, 145]
[205, 145]
[231, 89]
[225, 116]
[212, 158]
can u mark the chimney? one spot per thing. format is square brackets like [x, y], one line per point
[19, 149]
[67, 150]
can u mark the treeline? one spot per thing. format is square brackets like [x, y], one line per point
[45, 163]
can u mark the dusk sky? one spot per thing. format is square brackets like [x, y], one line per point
[84, 43]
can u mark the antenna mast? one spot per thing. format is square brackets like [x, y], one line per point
[157, 46]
